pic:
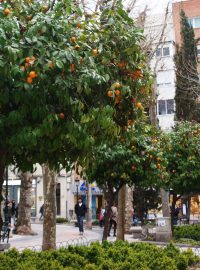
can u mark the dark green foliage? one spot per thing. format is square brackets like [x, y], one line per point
[183, 155]
[187, 231]
[108, 256]
[187, 82]
[61, 220]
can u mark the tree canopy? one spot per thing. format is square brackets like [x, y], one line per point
[67, 82]
[183, 155]
[187, 81]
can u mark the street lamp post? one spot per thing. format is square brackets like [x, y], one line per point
[77, 181]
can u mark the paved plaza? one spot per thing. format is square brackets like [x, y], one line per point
[69, 234]
[64, 233]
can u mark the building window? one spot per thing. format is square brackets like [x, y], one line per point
[194, 22]
[165, 107]
[166, 51]
[158, 52]
[162, 52]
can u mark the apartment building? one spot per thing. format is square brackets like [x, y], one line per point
[192, 11]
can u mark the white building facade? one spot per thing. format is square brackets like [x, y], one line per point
[67, 190]
[159, 31]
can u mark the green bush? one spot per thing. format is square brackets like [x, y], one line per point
[61, 220]
[95, 222]
[107, 256]
[187, 231]
[188, 241]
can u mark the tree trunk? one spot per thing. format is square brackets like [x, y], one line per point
[110, 197]
[2, 169]
[24, 211]
[129, 209]
[121, 213]
[49, 222]
[165, 203]
[188, 205]
[89, 208]
[174, 199]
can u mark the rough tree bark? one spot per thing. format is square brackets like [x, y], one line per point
[24, 212]
[129, 209]
[121, 213]
[49, 223]
[89, 208]
[165, 203]
[110, 198]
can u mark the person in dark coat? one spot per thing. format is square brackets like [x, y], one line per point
[41, 212]
[80, 210]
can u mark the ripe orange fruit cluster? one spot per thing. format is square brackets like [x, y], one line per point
[133, 167]
[158, 165]
[122, 64]
[62, 115]
[117, 92]
[73, 39]
[110, 93]
[51, 65]
[135, 75]
[29, 61]
[133, 99]
[117, 86]
[130, 122]
[139, 105]
[7, 11]
[78, 25]
[77, 47]
[44, 8]
[95, 52]
[72, 67]
[31, 76]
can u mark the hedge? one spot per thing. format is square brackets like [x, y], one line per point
[187, 231]
[61, 220]
[108, 256]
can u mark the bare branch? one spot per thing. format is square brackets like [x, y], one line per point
[52, 4]
[131, 6]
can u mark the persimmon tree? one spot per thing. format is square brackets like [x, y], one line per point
[68, 84]
[183, 155]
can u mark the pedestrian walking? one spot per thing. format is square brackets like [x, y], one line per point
[41, 212]
[80, 210]
[8, 212]
[113, 220]
[101, 216]
[13, 210]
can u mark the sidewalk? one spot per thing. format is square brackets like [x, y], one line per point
[68, 234]
[64, 233]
